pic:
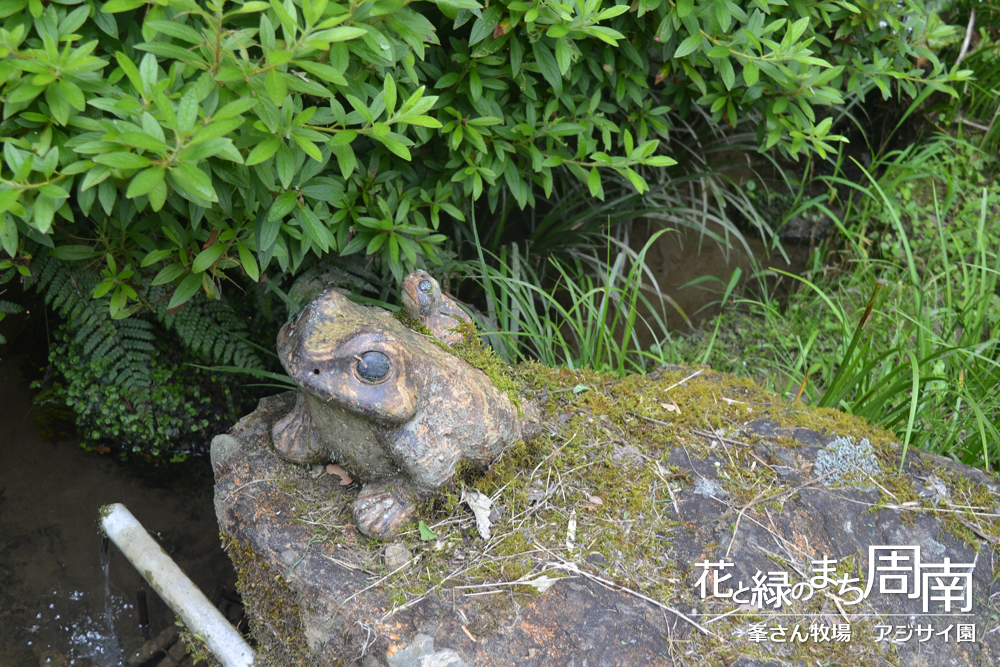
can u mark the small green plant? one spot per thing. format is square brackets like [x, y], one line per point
[974, 113]
[125, 378]
[170, 417]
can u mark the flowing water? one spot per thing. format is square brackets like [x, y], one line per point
[62, 600]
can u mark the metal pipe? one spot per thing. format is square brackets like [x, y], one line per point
[173, 586]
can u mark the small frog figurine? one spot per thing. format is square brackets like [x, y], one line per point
[424, 301]
[389, 405]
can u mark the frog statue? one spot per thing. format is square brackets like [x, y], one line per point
[389, 404]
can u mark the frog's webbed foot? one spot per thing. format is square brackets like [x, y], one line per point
[295, 436]
[382, 508]
[447, 329]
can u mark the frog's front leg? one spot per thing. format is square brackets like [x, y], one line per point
[295, 436]
[382, 508]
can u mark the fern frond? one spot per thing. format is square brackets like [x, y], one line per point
[214, 331]
[120, 346]
[125, 382]
[9, 308]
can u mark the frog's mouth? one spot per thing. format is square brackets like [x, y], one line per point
[348, 356]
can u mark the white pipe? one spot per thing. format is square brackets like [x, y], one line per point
[172, 585]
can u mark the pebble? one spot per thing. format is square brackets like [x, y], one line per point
[396, 556]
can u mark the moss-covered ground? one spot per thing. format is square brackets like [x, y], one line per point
[595, 489]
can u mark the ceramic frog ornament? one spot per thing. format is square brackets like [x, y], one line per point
[424, 301]
[389, 405]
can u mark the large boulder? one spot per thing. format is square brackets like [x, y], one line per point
[610, 534]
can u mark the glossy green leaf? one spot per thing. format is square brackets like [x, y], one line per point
[337, 34]
[275, 87]
[122, 160]
[426, 534]
[248, 261]
[195, 180]
[324, 72]
[207, 257]
[235, 108]
[74, 253]
[45, 209]
[688, 46]
[263, 150]
[187, 289]
[282, 206]
[115, 6]
[548, 66]
[8, 234]
[140, 140]
[7, 199]
[594, 183]
[156, 256]
[168, 274]
[144, 181]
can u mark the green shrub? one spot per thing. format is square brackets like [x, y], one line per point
[178, 140]
[7, 271]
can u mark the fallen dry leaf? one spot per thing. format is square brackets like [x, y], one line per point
[480, 505]
[334, 469]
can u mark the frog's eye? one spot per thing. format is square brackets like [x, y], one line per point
[373, 366]
[426, 286]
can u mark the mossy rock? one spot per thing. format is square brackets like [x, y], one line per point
[632, 483]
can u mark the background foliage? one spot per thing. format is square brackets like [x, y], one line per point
[157, 152]
[898, 318]
[189, 139]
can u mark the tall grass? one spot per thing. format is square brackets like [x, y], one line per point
[907, 333]
[576, 317]
[555, 295]
[898, 321]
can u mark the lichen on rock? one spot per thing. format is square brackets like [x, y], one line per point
[842, 457]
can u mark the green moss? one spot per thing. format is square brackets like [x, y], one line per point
[272, 606]
[604, 466]
[411, 322]
[195, 647]
[475, 353]
[973, 516]
[103, 512]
